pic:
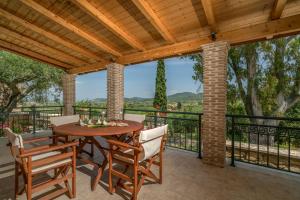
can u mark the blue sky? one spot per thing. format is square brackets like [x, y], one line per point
[140, 80]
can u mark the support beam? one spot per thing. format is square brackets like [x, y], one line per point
[148, 12]
[209, 13]
[89, 68]
[214, 103]
[33, 55]
[284, 26]
[115, 91]
[278, 9]
[42, 10]
[66, 57]
[68, 83]
[100, 17]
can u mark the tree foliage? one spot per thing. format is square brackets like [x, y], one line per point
[264, 76]
[22, 77]
[160, 99]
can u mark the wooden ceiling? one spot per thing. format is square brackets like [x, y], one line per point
[85, 35]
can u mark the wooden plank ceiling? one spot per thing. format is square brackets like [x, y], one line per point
[80, 36]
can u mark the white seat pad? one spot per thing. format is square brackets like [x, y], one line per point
[45, 167]
[46, 155]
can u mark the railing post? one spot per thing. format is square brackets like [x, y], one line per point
[199, 137]
[61, 111]
[232, 142]
[155, 119]
[33, 108]
[74, 110]
[90, 112]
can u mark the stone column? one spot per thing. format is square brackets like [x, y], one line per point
[68, 83]
[115, 91]
[214, 103]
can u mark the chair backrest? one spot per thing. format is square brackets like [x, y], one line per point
[151, 140]
[15, 141]
[61, 120]
[135, 117]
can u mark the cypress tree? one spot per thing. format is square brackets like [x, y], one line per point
[160, 99]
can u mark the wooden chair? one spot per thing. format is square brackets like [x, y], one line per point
[139, 158]
[61, 120]
[32, 162]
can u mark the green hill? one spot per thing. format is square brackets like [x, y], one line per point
[185, 96]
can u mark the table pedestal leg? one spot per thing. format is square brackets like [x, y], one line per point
[100, 167]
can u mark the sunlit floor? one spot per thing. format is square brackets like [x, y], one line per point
[185, 177]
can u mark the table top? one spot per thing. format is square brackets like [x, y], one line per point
[75, 129]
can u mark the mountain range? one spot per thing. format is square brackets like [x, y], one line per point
[177, 97]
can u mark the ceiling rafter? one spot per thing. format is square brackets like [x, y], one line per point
[66, 57]
[42, 10]
[90, 68]
[148, 12]
[100, 17]
[209, 13]
[284, 26]
[31, 54]
[48, 34]
[278, 8]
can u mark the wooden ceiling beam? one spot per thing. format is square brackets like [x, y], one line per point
[148, 12]
[284, 26]
[278, 9]
[67, 58]
[42, 10]
[209, 13]
[100, 17]
[90, 68]
[33, 55]
[48, 34]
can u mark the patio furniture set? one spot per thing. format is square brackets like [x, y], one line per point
[128, 147]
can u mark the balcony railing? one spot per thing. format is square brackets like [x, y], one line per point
[266, 141]
[272, 142]
[29, 119]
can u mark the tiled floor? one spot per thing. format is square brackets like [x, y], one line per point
[185, 177]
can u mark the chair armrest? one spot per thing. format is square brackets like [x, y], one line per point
[51, 148]
[124, 145]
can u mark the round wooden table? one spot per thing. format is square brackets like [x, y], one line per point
[89, 134]
[74, 129]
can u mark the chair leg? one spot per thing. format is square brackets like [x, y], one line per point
[29, 186]
[74, 173]
[16, 179]
[110, 173]
[160, 168]
[135, 182]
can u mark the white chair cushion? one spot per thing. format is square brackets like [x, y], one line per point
[46, 155]
[61, 120]
[45, 167]
[151, 140]
[152, 133]
[135, 117]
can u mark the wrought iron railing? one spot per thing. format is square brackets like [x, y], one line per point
[272, 142]
[184, 127]
[29, 119]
